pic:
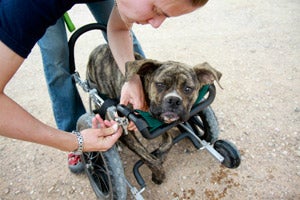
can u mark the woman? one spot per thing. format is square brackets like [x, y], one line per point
[23, 23]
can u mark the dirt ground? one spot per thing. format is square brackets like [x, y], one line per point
[255, 44]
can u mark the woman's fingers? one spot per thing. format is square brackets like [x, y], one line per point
[97, 122]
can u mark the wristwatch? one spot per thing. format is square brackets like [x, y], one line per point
[79, 150]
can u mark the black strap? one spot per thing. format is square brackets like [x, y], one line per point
[107, 103]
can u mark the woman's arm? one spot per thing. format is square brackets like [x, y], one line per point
[15, 122]
[120, 42]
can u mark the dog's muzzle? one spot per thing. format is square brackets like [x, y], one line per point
[172, 106]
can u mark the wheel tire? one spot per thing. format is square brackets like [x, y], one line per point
[106, 174]
[228, 150]
[104, 169]
[207, 121]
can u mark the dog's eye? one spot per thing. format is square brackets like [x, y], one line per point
[188, 90]
[160, 87]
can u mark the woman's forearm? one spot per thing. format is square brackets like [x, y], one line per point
[17, 123]
[120, 40]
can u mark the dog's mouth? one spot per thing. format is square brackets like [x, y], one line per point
[169, 117]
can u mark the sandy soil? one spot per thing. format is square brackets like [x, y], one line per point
[256, 44]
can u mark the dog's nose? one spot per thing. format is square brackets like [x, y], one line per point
[173, 102]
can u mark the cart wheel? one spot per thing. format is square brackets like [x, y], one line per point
[106, 174]
[228, 150]
[207, 121]
[104, 169]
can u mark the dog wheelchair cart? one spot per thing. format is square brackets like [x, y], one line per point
[105, 169]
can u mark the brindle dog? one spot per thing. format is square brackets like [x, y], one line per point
[170, 88]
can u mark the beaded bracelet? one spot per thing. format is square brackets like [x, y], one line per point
[79, 150]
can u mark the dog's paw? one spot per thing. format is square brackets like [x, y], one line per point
[158, 179]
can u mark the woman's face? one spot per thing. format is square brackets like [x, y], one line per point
[152, 12]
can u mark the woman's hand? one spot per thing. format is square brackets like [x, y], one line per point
[102, 136]
[132, 93]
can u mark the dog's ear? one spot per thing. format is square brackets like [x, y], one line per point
[207, 74]
[141, 67]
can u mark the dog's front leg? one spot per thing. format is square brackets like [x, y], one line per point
[154, 163]
[165, 147]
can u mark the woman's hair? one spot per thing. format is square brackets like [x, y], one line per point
[199, 3]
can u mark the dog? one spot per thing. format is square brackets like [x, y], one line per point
[170, 89]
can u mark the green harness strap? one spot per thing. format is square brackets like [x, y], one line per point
[155, 123]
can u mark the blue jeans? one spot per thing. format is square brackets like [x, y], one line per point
[67, 105]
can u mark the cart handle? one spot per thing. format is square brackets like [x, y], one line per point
[75, 36]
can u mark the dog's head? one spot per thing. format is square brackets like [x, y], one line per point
[171, 88]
